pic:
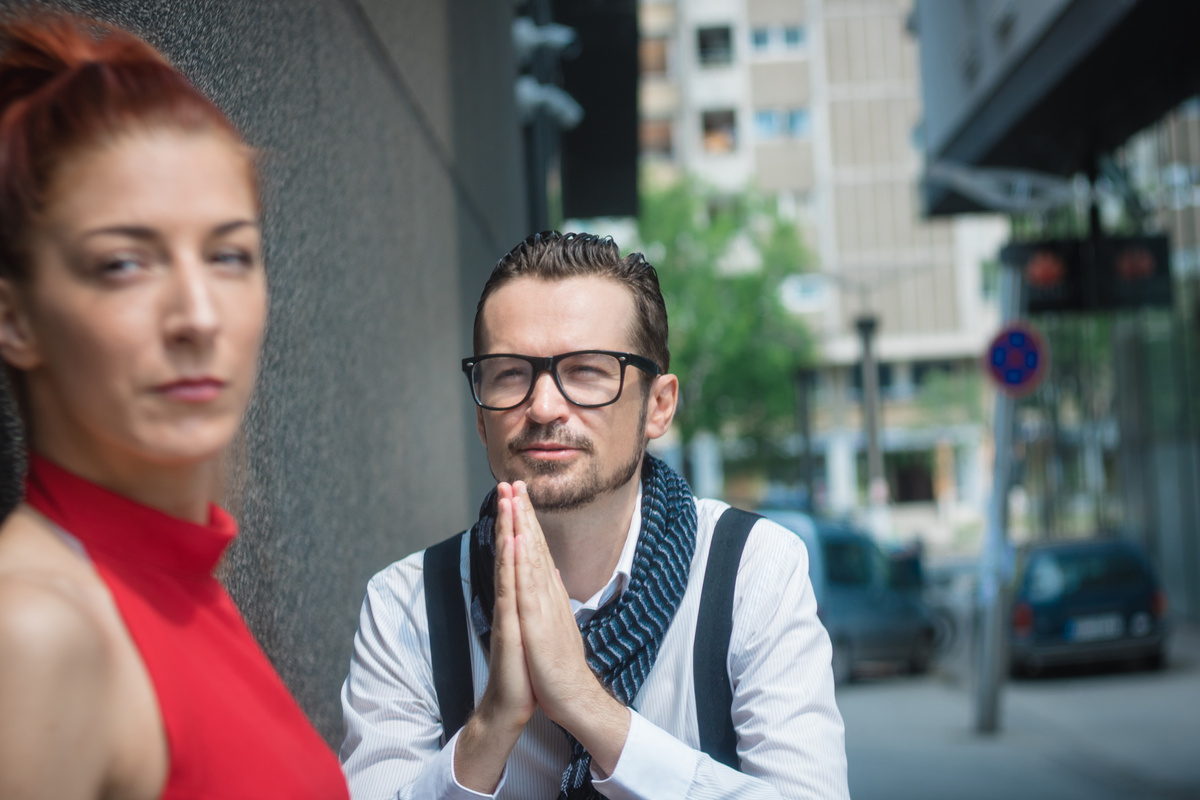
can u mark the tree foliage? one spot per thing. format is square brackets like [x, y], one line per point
[734, 345]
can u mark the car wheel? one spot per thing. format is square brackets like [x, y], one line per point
[1027, 668]
[945, 630]
[922, 652]
[843, 662]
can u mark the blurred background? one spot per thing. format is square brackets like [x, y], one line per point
[847, 201]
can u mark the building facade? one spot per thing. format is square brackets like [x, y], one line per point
[816, 103]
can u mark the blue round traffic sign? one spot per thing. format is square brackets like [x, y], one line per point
[1016, 359]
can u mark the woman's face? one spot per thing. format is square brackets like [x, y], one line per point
[139, 327]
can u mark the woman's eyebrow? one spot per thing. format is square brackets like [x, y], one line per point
[132, 231]
[144, 232]
[234, 225]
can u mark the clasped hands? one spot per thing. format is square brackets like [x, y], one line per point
[537, 657]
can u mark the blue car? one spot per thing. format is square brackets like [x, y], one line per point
[870, 617]
[1086, 601]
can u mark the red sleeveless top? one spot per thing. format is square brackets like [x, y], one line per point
[233, 729]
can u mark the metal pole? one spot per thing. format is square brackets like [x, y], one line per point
[877, 487]
[540, 132]
[804, 382]
[991, 652]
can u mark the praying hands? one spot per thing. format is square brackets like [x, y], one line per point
[537, 658]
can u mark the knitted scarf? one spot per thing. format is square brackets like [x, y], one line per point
[622, 638]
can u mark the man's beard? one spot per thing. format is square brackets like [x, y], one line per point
[560, 496]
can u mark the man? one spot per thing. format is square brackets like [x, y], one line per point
[586, 531]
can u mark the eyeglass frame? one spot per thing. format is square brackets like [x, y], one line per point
[550, 364]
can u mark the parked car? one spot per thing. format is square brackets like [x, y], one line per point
[1086, 601]
[868, 615]
[950, 589]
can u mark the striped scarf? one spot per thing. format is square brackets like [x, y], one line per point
[623, 637]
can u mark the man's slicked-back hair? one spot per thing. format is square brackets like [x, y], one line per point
[553, 256]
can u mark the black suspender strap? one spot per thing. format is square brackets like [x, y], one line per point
[714, 625]
[449, 644]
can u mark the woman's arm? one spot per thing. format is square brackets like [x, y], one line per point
[56, 693]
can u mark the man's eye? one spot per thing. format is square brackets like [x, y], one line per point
[509, 375]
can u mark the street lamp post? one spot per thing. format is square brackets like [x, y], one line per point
[867, 326]
[805, 378]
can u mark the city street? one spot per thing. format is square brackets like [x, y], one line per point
[1091, 735]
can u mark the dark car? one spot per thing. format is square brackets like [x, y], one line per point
[1086, 601]
[869, 617]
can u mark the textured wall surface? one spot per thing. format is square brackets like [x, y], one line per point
[391, 156]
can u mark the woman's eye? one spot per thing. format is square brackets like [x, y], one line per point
[120, 265]
[235, 257]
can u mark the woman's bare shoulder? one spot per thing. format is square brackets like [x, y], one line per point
[51, 609]
[57, 689]
[43, 621]
[57, 672]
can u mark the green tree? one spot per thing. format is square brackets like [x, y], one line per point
[734, 345]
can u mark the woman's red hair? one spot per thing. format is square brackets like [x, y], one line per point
[68, 84]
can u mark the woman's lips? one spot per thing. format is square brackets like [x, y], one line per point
[192, 390]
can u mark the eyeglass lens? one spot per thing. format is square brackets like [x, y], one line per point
[587, 379]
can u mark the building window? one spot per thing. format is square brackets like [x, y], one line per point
[655, 137]
[768, 40]
[793, 37]
[775, 123]
[652, 55]
[715, 46]
[799, 123]
[767, 124]
[886, 380]
[720, 131]
[924, 371]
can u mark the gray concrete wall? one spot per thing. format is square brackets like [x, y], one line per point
[391, 153]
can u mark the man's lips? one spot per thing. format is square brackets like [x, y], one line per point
[192, 390]
[549, 450]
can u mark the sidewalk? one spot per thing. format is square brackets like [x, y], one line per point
[1118, 735]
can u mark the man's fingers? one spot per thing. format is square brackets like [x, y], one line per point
[502, 532]
[526, 528]
[505, 587]
[526, 518]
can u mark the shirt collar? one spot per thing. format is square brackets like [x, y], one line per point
[620, 578]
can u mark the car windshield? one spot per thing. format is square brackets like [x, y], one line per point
[1056, 575]
[846, 562]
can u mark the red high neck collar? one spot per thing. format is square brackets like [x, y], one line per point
[124, 529]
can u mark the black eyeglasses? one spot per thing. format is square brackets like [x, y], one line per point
[587, 378]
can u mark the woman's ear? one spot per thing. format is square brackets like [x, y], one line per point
[18, 347]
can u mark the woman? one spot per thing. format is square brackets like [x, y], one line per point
[132, 305]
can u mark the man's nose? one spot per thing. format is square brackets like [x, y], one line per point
[547, 403]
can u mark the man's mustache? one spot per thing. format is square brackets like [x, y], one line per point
[549, 434]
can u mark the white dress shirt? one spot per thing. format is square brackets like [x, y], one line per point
[790, 735]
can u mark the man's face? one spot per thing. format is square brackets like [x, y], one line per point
[568, 455]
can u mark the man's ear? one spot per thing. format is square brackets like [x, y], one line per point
[18, 346]
[664, 397]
